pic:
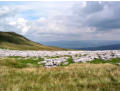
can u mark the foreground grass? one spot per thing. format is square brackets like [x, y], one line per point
[75, 77]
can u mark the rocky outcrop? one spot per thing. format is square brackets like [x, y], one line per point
[55, 58]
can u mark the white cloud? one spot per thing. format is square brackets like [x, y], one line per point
[21, 24]
[55, 21]
[12, 23]
[42, 19]
[84, 4]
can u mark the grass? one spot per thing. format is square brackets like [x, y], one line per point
[76, 77]
[51, 57]
[31, 61]
[20, 62]
[94, 76]
[112, 61]
[12, 63]
[70, 60]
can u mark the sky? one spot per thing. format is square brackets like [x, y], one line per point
[54, 21]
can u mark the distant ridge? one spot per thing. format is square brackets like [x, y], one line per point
[77, 44]
[107, 47]
[12, 40]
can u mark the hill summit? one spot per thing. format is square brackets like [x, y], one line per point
[12, 40]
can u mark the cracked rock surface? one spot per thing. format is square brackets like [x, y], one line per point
[55, 58]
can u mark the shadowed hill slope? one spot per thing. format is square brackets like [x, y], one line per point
[11, 40]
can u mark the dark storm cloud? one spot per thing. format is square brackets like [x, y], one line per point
[103, 16]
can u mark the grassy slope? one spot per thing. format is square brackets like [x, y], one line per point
[75, 77]
[11, 40]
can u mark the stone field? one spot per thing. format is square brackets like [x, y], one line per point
[56, 58]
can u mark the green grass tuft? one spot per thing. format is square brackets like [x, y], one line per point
[12, 63]
[70, 60]
[112, 61]
[20, 62]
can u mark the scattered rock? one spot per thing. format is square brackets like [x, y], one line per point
[118, 64]
[50, 59]
[65, 63]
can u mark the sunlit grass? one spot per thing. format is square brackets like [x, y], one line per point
[75, 77]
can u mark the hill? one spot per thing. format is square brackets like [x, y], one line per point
[12, 40]
[106, 47]
[77, 44]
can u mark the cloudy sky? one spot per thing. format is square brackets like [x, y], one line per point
[54, 21]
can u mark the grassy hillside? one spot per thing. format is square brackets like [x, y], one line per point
[11, 40]
[75, 77]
